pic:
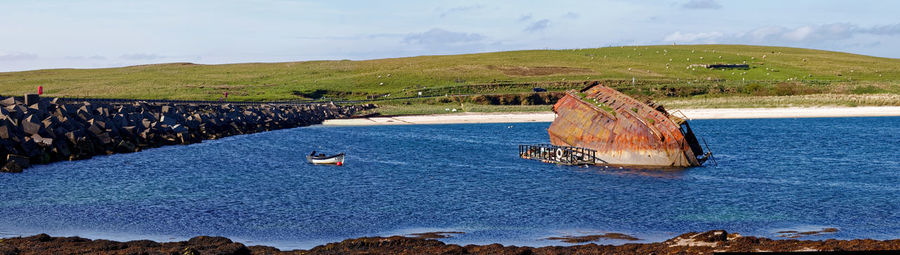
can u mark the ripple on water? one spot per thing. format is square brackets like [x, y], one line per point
[773, 175]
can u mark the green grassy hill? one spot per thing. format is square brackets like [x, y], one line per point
[674, 66]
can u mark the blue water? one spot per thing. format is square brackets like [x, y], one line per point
[772, 175]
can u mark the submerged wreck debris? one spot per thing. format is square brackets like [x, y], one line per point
[436, 235]
[593, 238]
[599, 125]
[798, 234]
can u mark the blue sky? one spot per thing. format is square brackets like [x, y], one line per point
[91, 34]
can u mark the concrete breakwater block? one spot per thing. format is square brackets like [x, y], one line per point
[49, 130]
[31, 99]
[15, 164]
[8, 101]
[31, 125]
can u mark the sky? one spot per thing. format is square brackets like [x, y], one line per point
[95, 34]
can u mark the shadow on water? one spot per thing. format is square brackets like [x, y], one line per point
[664, 173]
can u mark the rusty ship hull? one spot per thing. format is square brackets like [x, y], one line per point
[624, 131]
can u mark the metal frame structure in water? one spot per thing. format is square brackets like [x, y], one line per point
[565, 155]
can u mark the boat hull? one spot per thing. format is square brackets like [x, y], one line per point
[333, 160]
[622, 130]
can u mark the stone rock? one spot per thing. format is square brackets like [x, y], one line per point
[4, 113]
[101, 111]
[12, 167]
[50, 122]
[39, 109]
[42, 141]
[100, 123]
[31, 99]
[129, 131]
[73, 137]
[15, 163]
[104, 138]
[63, 150]
[118, 120]
[84, 112]
[31, 125]
[59, 132]
[712, 236]
[168, 120]
[95, 127]
[48, 131]
[4, 129]
[8, 101]
[125, 146]
[68, 109]
[15, 112]
[71, 124]
[30, 147]
[178, 128]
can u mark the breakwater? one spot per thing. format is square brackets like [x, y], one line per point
[36, 130]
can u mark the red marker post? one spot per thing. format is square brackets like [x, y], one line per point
[40, 90]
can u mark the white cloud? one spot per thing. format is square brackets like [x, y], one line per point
[537, 25]
[141, 56]
[45, 33]
[823, 32]
[94, 57]
[893, 29]
[701, 4]
[808, 35]
[461, 9]
[437, 36]
[437, 41]
[16, 56]
[707, 37]
[524, 18]
[799, 34]
[761, 34]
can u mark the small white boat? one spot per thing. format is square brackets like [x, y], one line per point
[321, 159]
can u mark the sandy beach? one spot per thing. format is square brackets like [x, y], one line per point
[719, 113]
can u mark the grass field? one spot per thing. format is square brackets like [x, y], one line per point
[666, 73]
[395, 108]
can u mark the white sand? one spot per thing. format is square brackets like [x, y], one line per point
[727, 113]
[479, 117]
[792, 112]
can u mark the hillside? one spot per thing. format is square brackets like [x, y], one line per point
[673, 66]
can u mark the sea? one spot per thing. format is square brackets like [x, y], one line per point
[769, 176]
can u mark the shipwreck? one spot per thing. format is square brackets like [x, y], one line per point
[599, 125]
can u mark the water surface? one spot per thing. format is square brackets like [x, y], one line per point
[772, 175]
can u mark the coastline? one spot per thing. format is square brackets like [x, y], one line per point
[428, 243]
[693, 114]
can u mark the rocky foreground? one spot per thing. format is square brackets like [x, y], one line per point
[36, 130]
[689, 243]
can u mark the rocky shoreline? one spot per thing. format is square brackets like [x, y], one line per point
[35, 130]
[688, 243]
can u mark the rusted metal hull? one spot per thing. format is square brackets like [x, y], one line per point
[623, 130]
